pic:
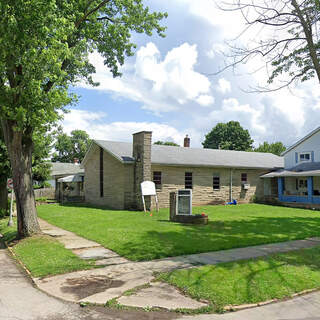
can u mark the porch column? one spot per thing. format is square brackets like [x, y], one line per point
[280, 188]
[310, 189]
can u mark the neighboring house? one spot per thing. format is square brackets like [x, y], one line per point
[114, 171]
[299, 181]
[67, 179]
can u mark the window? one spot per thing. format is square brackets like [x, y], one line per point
[303, 183]
[157, 179]
[101, 172]
[306, 156]
[244, 178]
[216, 182]
[188, 180]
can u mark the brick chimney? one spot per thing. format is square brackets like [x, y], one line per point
[141, 152]
[186, 142]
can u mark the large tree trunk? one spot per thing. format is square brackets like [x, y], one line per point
[3, 193]
[20, 145]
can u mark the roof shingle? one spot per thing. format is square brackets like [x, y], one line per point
[180, 156]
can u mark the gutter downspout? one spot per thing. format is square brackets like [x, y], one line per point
[231, 177]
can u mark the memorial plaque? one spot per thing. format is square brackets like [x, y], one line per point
[184, 203]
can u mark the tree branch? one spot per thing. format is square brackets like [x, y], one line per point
[86, 15]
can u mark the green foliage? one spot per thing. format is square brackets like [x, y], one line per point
[138, 236]
[71, 147]
[276, 148]
[44, 48]
[250, 281]
[228, 136]
[166, 143]
[5, 168]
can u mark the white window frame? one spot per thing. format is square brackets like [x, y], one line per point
[304, 160]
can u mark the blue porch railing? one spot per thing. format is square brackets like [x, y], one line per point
[310, 198]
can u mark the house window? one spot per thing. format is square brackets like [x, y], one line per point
[101, 172]
[216, 182]
[157, 179]
[188, 180]
[305, 156]
[303, 183]
[244, 178]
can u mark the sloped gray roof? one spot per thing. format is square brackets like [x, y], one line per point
[180, 156]
[61, 168]
[309, 169]
[301, 140]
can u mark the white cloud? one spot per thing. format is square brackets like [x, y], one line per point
[97, 128]
[205, 100]
[229, 22]
[161, 85]
[81, 119]
[224, 86]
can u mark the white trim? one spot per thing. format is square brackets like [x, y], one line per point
[304, 153]
[301, 140]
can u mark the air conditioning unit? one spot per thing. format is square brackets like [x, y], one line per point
[184, 202]
[246, 186]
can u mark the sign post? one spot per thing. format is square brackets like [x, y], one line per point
[10, 187]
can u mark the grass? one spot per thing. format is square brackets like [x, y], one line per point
[9, 233]
[139, 236]
[250, 281]
[42, 255]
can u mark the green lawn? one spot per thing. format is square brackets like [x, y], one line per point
[139, 236]
[42, 255]
[9, 233]
[250, 281]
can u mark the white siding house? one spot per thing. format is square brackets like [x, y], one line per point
[305, 150]
[299, 181]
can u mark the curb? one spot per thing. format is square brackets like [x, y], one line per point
[264, 303]
[19, 262]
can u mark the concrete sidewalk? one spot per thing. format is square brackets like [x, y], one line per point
[19, 300]
[120, 275]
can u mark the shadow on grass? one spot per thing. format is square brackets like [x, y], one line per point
[217, 235]
[251, 281]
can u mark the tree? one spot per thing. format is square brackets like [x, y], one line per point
[276, 148]
[41, 169]
[71, 147]
[228, 136]
[44, 49]
[288, 40]
[166, 143]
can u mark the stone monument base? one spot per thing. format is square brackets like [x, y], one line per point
[192, 219]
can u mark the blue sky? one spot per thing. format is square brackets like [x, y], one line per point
[165, 87]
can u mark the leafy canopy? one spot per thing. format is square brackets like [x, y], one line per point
[71, 147]
[276, 148]
[228, 136]
[166, 143]
[44, 48]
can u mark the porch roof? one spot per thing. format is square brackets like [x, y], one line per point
[302, 170]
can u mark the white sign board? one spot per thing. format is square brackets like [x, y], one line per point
[148, 188]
